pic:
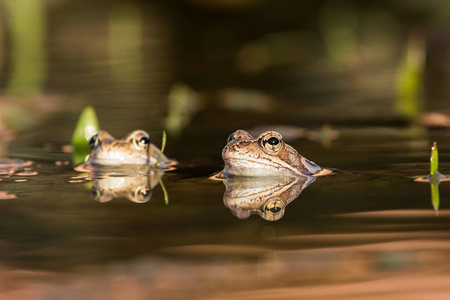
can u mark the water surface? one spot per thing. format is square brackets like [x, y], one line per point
[367, 231]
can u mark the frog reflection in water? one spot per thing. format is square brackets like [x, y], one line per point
[266, 155]
[133, 149]
[137, 189]
[124, 168]
[264, 196]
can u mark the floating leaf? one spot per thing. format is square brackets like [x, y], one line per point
[87, 126]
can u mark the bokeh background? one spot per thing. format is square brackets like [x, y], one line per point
[357, 86]
[297, 61]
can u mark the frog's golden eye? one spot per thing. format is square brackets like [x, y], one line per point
[140, 141]
[273, 209]
[142, 194]
[274, 206]
[272, 143]
[93, 141]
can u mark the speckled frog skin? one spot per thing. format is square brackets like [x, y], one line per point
[133, 149]
[266, 155]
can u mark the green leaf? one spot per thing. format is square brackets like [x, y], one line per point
[435, 194]
[410, 76]
[166, 195]
[434, 160]
[86, 127]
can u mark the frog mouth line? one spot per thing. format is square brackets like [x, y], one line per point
[272, 164]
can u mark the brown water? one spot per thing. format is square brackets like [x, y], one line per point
[367, 231]
[356, 233]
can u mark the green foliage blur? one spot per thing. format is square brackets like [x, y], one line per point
[86, 127]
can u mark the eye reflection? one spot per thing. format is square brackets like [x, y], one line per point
[141, 195]
[274, 209]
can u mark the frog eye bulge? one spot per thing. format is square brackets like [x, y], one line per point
[274, 206]
[272, 143]
[273, 209]
[93, 141]
[140, 141]
[239, 135]
[142, 194]
[231, 138]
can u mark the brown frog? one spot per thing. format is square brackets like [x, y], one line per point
[133, 149]
[266, 155]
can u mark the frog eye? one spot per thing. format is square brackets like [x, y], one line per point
[274, 209]
[95, 193]
[93, 141]
[272, 143]
[231, 138]
[144, 140]
[142, 194]
[99, 196]
[140, 141]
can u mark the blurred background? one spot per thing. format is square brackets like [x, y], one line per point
[353, 85]
[164, 63]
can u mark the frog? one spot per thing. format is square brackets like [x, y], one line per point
[265, 155]
[133, 149]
